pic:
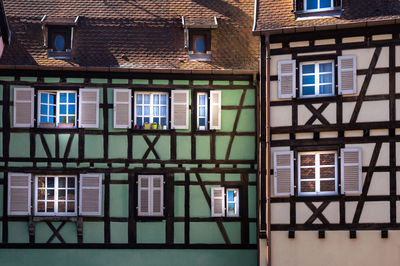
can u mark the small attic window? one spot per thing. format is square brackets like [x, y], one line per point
[197, 33]
[59, 39]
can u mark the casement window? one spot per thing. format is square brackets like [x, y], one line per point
[200, 44]
[317, 79]
[150, 195]
[224, 204]
[54, 195]
[318, 4]
[151, 110]
[202, 111]
[317, 173]
[57, 109]
[59, 42]
[209, 110]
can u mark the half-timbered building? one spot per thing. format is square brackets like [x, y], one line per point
[128, 133]
[330, 84]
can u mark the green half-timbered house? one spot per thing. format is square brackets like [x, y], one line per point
[128, 133]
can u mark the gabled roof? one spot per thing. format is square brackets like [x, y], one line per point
[133, 34]
[276, 16]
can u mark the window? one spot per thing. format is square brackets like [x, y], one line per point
[150, 195]
[316, 79]
[202, 111]
[55, 195]
[59, 42]
[219, 198]
[318, 4]
[151, 110]
[199, 44]
[57, 109]
[317, 173]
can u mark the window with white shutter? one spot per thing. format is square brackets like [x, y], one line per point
[287, 79]
[150, 195]
[283, 173]
[90, 194]
[89, 108]
[180, 109]
[23, 107]
[347, 74]
[122, 108]
[151, 110]
[215, 109]
[19, 194]
[217, 201]
[351, 172]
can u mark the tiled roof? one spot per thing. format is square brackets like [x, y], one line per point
[135, 34]
[278, 14]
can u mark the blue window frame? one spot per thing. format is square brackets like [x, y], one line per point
[232, 202]
[317, 79]
[316, 5]
[202, 111]
[151, 108]
[57, 109]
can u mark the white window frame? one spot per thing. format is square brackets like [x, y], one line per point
[317, 178]
[57, 104]
[56, 189]
[236, 202]
[151, 106]
[316, 82]
[318, 8]
[198, 110]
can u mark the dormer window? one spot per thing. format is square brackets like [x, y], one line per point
[318, 7]
[318, 4]
[197, 35]
[59, 39]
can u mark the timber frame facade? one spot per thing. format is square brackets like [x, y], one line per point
[367, 120]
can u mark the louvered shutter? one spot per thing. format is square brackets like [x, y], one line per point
[283, 173]
[89, 108]
[180, 109]
[347, 74]
[23, 107]
[144, 201]
[90, 194]
[287, 79]
[217, 201]
[215, 109]
[157, 195]
[351, 172]
[19, 194]
[122, 108]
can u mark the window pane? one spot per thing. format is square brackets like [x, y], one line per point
[202, 111]
[50, 182]
[231, 209]
[61, 194]
[146, 120]
[41, 182]
[147, 110]
[327, 159]
[202, 122]
[139, 121]
[156, 120]
[71, 119]
[43, 119]
[52, 99]
[41, 195]
[71, 97]
[163, 99]
[326, 67]
[71, 109]
[327, 172]
[230, 195]
[61, 182]
[163, 121]
[307, 186]
[41, 206]
[138, 110]
[52, 110]
[325, 3]
[308, 69]
[139, 98]
[309, 90]
[43, 109]
[63, 119]
[71, 206]
[61, 206]
[155, 111]
[307, 160]
[312, 4]
[308, 80]
[71, 194]
[43, 98]
[52, 120]
[63, 97]
[328, 185]
[50, 194]
[202, 99]
[146, 99]
[200, 44]
[325, 78]
[63, 109]
[71, 182]
[325, 89]
[50, 206]
[307, 173]
[163, 111]
[155, 99]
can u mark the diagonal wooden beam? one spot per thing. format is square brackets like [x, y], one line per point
[239, 111]
[208, 199]
[317, 114]
[365, 85]
[45, 146]
[56, 232]
[367, 182]
[69, 144]
[317, 212]
[151, 147]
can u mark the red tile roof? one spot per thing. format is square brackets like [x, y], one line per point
[278, 14]
[134, 34]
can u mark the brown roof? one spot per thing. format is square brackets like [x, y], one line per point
[135, 34]
[278, 14]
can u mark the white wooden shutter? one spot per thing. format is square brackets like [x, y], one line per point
[90, 194]
[23, 107]
[180, 109]
[347, 74]
[287, 79]
[144, 200]
[19, 194]
[217, 201]
[351, 170]
[215, 109]
[283, 173]
[122, 108]
[89, 108]
[157, 195]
